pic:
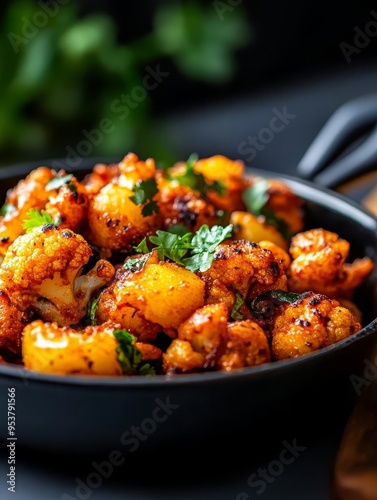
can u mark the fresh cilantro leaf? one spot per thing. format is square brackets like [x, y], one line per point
[92, 311]
[36, 219]
[134, 264]
[7, 209]
[179, 229]
[147, 369]
[150, 208]
[207, 238]
[219, 187]
[195, 180]
[144, 191]
[204, 244]
[72, 187]
[235, 314]
[171, 246]
[57, 182]
[256, 198]
[129, 356]
[142, 247]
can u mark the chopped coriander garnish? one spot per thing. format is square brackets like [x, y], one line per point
[57, 182]
[193, 251]
[134, 264]
[147, 369]
[195, 180]
[36, 219]
[179, 229]
[235, 313]
[255, 198]
[144, 191]
[142, 247]
[7, 209]
[204, 244]
[92, 311]
[171, 246]
[129, 356]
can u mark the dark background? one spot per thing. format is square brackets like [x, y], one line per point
[276, 54]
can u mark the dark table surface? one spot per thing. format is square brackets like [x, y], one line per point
[231, 468]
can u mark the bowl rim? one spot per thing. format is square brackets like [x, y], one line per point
[309, 191]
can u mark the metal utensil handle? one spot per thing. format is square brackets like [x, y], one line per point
[348, 119]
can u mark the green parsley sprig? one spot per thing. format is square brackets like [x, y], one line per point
[195, 180]
[7, 209]
[36, 218]
[194, 251]
[144, 192]
[58, 181]
[129, 356]
[255, 198]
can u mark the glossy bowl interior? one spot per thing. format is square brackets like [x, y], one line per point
[98, 414]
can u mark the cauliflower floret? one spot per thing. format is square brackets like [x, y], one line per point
[246, 345]
[311, 322]
[68, 205]
[243, 266]
[41, 272]
[319, 264]
[12, 322]
[207, 340]
[182, 205]
[28, 193]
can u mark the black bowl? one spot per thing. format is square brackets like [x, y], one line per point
[136, 414]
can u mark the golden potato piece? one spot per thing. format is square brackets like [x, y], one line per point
[48, 348]
[116, 222]
[164, 293]
[251, 228]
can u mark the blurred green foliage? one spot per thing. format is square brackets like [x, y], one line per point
[65, 75]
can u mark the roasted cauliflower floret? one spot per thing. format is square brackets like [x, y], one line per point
[182, 205]
[115, 221]
[246, 345]
[285, 205]
[207, 340]
[12, 322]
[100, 175]
[311, 322]
[28, 193]
[241, 266]
[68, 205]
[41, 272]
[319, 264]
